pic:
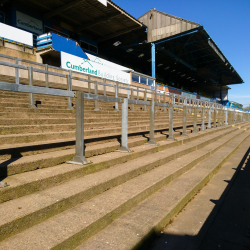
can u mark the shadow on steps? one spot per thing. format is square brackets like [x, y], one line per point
[227, 226]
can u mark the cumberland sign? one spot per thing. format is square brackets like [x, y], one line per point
[29, 23]
[86, 66]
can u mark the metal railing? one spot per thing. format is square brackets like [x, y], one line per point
[226, 116]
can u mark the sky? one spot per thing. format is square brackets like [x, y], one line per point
[226, 21]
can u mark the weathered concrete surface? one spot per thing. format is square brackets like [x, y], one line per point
[79, 190]
[218, 217]
[134, 229]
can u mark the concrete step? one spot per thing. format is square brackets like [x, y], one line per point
[137, 228]
[88, 133]
[38, 120]
[36, 115]
[102, 114]
[21, 129]
[104, 145]
[200, 218]
[132, 183]
[47, 160]
[36, 110]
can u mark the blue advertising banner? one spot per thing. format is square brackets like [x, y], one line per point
[2, 17]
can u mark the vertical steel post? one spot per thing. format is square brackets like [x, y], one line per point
[156, 100]
[219, 116]
[89, 84]
[116, 96]
[124, 140]
[132, 98]
[79, 157]
[184, 132]
[17, 71]
[203, 118]
[165, 108]
[214, 116]
[31, 95]
[152, 124]
[190, 104]
[69, 87]
[46, 76]
[104, 88]
[222, 116]
[226, 117]
[171, 121]
[145, 99]
[96, 93]
[229, 117]
[195, 120]
[209, 117]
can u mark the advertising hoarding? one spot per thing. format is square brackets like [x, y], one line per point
[16, 35]
[78, 64]
[29, 23]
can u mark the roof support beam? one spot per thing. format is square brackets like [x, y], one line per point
[46, 7]
[117, 33]
[180, 35]
[176, 58]
[61, 9]
[94, 22]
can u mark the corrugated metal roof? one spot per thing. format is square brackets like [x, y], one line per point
[163, 13]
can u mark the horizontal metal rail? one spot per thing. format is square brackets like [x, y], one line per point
[49, 72]
[35, 90]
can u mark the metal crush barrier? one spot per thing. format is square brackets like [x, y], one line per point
[226, 116]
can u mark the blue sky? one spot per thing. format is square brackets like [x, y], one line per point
[226, 21]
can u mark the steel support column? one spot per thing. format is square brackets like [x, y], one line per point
[153, 60]
[152, 124]
[184, 132]
[203, 119]
[209, 118]
[214, 117]
[195, 121]
[171, 120]
[124, 140]
[31, 95]
[80, 151]
[69, 88]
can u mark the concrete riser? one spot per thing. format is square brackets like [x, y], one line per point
[41, 128]
[36, 134]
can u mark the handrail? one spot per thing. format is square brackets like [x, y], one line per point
[80, 96]
[195, 102]
[81, 73]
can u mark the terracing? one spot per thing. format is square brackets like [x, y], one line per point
[120, 200]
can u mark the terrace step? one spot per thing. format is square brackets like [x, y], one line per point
[72, 212]
[30, 163]
[41, 128]
[34, 133]
[138, 227]
[201, 213]
[21, 158]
